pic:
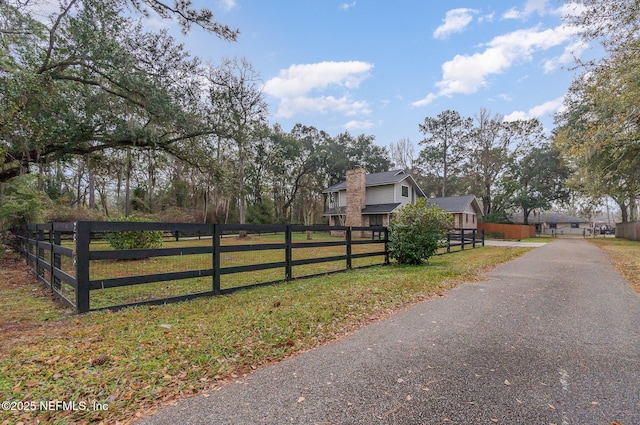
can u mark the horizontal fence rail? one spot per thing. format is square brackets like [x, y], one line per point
[78, 264]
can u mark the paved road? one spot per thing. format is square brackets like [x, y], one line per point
[550, 338]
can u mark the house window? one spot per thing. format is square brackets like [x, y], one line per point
[553, 225]
[405, 191]
[575, 225]
[375, 220]
[466, 218]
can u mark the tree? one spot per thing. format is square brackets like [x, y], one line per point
[93, 80]
[239, 111]
[416, 230]
[599, 131]
[446, 141]
[495, 145]
[403, 154]
[537, 181]
[615, 24]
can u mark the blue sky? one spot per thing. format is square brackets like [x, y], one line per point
[380, 67]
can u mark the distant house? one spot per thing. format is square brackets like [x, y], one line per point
[465, 209]
[369, 199]
[555, 223]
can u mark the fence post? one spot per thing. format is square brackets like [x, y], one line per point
[83, 240]
[462, 239]
[482, 237]
[473, 234]
[57, 258]
[215, 241]
[288, 255]
[386, 245]
[348, 235]
[448, 241]
[39, 253]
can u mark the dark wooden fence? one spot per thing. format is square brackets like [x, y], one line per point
[461, 238]
[75, 261]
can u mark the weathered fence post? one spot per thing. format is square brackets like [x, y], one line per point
[288, 254]
[83, 240]
[462, 239]
[348, 236]
[473, 234]
[482, 237]
[215, 241]
[448, 241]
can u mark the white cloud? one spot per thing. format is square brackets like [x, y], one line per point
[466, 74]
[538, 111]
[531, 7]
[228, 4]
[486, 18]
[358, 125]
[569, 9]
[456, 20]
[571, 52]
[294, 85]
[347, 6]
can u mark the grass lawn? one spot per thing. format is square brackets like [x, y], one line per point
[138, 358]
[105, 269]
[625, 255]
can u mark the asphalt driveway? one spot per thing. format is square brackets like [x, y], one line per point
[550, 338]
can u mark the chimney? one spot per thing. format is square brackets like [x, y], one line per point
[356, 196]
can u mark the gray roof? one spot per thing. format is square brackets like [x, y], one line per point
[456, 204]
[378, 179]
[380, 208]
[549, 217]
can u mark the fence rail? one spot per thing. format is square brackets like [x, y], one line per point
[75, 261]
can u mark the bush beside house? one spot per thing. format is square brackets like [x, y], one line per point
[416, 230]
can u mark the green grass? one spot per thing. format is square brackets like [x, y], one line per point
[625, 255]
[106, 269]
[138, 358]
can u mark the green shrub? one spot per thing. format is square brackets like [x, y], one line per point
[135, 239]
[22, 203]
[416, 230]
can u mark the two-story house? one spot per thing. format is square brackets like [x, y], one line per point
[369, 199]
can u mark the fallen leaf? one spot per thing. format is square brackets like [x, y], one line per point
[300, 399]
[551, 406]
[518, 400]
[506, 382]
[166, 326]
[594, 403]
[408, 398]
[495, 421]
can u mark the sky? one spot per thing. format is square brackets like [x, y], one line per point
[380, 67]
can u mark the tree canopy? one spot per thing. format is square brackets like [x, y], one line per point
[92, 79]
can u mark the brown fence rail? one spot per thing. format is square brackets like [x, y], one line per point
[78, 264]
